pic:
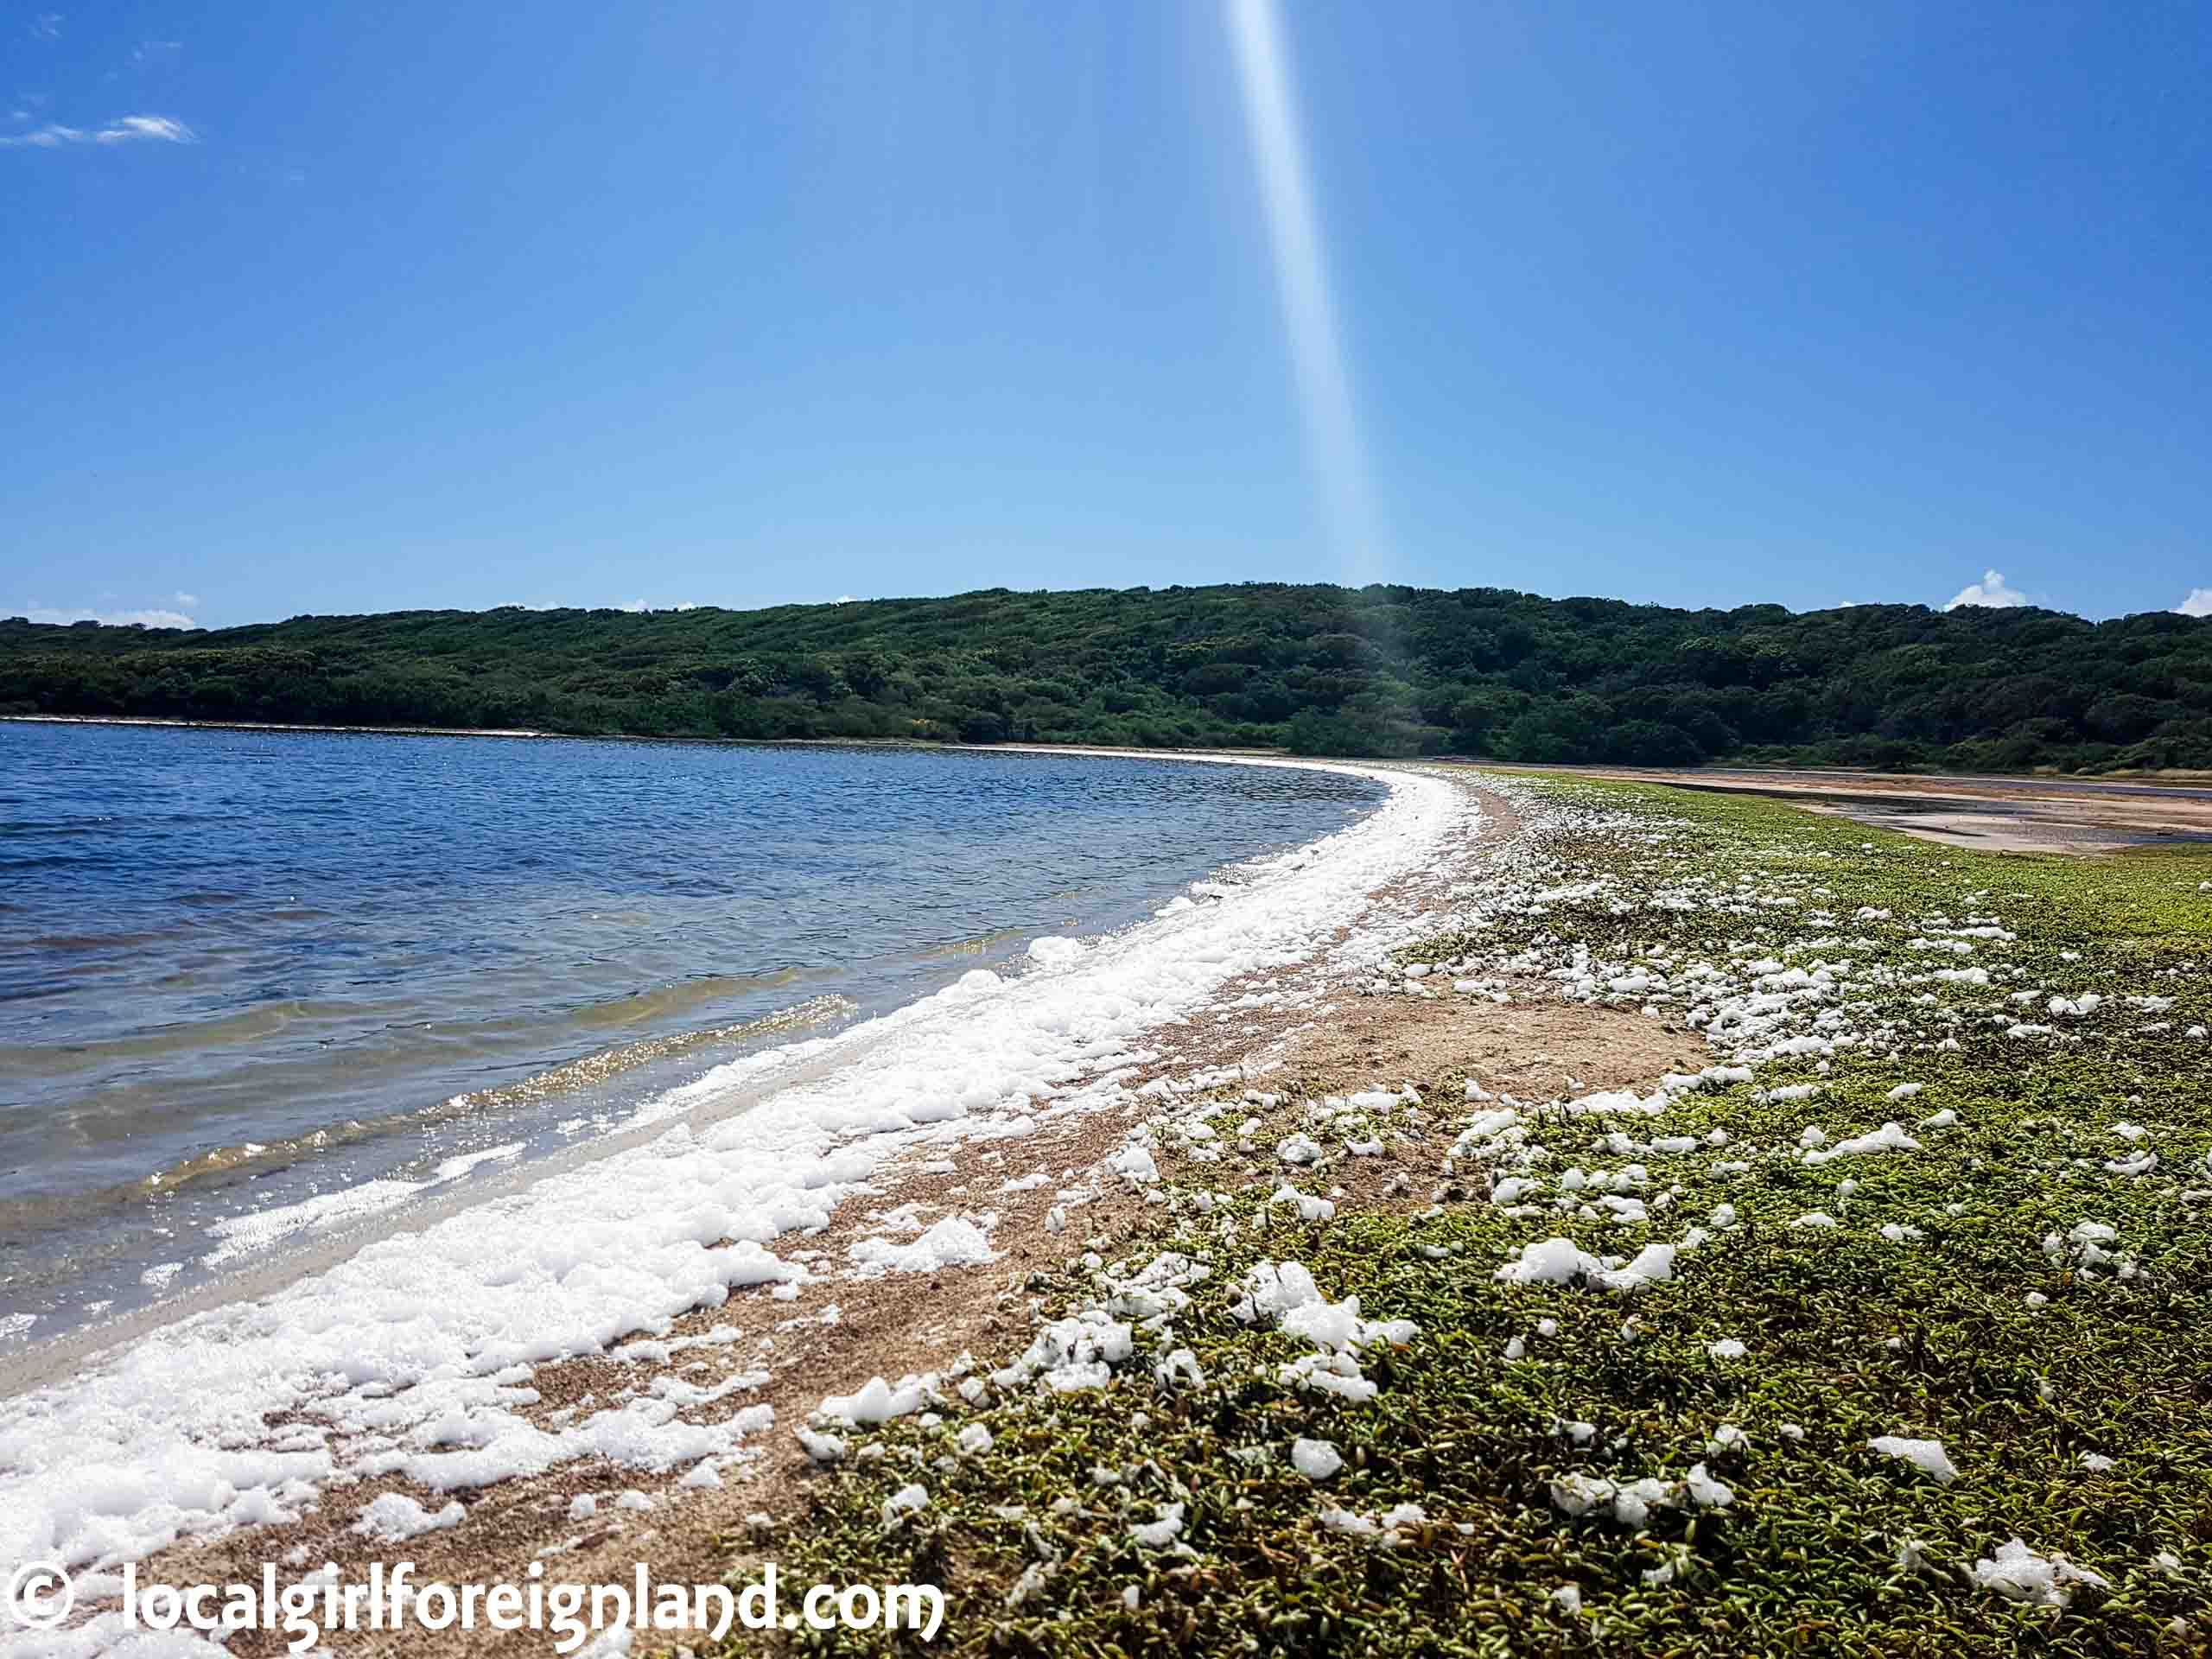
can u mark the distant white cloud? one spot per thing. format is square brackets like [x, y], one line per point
[166, 129]
[2199, 603]
[114, 618]
[685, 604]
[46, 26]
[124, 130]
[634, 606]
[1991, 592]
[186, 601]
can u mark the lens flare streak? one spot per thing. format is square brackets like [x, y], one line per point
[1301, 275]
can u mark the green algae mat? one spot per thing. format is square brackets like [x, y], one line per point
[1890, 1332]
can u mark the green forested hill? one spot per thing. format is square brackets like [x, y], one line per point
[1320, 670]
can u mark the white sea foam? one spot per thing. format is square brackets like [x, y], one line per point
[453, 1169]
[412, 1356]
[242, 1234]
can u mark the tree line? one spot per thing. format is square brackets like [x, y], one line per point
[1316, 670]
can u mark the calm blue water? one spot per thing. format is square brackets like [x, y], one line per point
[238, 970]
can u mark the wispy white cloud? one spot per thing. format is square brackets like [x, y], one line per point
[2199, 603]
[166, 129]
[114, 618]
[1992, 593]
[46, 26]
[186, 601]
[52, 136]
[123, 130]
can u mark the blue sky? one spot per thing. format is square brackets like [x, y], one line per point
[358, 309]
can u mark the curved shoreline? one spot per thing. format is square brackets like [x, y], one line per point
[291, 1132]
[922, 1073]
[166, 723]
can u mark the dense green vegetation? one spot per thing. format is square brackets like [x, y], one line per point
[2067, 1387]
[1319, 669]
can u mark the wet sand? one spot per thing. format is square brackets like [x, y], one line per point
[2021, 814]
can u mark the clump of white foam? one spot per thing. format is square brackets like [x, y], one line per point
[952, 1243]
[395, 1517]
[2020, 1573]
[874, 1401]
[1561, 1261]
[1072, 1355]
[1927, 1456]
[1316, 1460]
[1287, 1296]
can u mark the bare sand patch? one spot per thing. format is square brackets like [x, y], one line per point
[2022, 814]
